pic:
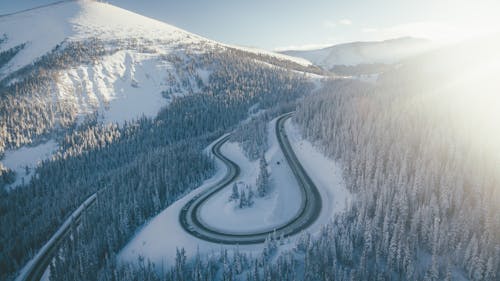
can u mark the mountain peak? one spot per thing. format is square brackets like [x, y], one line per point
[43, 28]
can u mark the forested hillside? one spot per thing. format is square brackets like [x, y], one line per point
[428, 200]
[140, 167]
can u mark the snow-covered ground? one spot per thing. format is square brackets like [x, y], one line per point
[271, 211]
[17, 160]
[122, 86]
[159, 238]
[79, 20]
[326, 174]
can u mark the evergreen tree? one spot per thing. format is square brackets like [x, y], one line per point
[250, 196]
[263, 178]
[235, 195]
[243, 199]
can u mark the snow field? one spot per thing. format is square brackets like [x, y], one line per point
[17, 160]
[122, 87]
[276, 208]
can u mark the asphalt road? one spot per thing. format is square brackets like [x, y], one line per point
[309, 210]
[35, 270]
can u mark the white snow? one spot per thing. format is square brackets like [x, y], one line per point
[159, 238]
[18, 159]
[325, 173]
[44, 28]
[204, 75]
[122, 86]
[271, 211]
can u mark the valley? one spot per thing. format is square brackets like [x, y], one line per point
[132, 149]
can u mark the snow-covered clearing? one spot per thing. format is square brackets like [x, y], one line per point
[17, 160]
[162, 235]
[276, 208]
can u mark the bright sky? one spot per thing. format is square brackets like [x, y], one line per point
[282, 24]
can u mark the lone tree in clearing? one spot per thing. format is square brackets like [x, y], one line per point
[263, 178]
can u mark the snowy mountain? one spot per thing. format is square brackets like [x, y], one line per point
[350, 54]
[66, 60]
[94, 97]
[46, 27]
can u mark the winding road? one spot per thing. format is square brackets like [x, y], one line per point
[310, 206]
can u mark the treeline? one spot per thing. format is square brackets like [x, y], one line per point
[252, 133]
[361, 69]
[252, 136]
[7, 55]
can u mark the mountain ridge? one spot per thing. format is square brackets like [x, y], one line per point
[363, 52]
[74, 20]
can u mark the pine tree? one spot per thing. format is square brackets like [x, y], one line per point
[263, 178]
[243, 199]
[250, 196]
[180, 264]
[235, 195]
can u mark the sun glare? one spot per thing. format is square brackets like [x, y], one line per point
[472, 91]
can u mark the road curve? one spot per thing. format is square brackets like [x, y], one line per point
[310, 206]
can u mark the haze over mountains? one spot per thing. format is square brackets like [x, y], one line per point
[350, 54]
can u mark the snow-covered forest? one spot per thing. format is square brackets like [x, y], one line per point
[423, 211]
[397, 142]
[139, 167]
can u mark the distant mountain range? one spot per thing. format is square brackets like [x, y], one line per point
[356, 53]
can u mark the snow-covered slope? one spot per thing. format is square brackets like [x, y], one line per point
[134, 68]
[124, 84]
[44, 28]
[388, 51]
